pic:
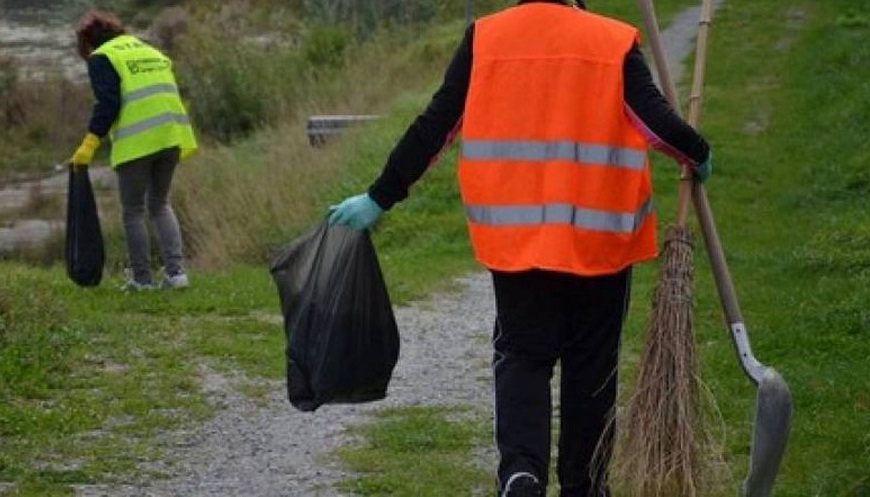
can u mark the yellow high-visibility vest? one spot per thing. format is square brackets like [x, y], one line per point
[152, 116]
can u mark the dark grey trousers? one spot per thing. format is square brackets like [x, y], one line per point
[543, 318]
[144, 184]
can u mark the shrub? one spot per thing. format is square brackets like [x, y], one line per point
[325, 46]
[237, 84]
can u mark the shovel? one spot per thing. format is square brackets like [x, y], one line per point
[773, 403]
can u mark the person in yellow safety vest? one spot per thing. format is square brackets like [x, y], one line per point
[556, 108]
[139, 108]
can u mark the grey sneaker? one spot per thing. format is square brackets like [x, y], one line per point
[175, 281]
[523, 485]
[131, 285]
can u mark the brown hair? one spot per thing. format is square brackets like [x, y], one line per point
[95, 28]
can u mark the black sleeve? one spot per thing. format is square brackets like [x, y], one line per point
[654, 116]
[430, 133]
[106, 85]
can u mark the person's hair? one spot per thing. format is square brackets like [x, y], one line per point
[95, 28]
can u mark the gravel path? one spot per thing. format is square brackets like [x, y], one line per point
[273, 450]
[251, 450]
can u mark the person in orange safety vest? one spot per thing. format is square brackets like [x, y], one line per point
[556, 108]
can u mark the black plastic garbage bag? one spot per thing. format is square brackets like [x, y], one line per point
[84, 252]
[342, 338]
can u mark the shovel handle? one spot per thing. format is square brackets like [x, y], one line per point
[684, 192]
[655, 42]
[727, 295]
[694, 190]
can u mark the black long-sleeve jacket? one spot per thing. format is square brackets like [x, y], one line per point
[436, 127]
[106, 85]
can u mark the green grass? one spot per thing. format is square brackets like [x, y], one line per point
[785, 197]
[89, 378]
[418, 451]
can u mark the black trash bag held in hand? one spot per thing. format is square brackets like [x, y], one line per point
[342, 338]
[83, 248]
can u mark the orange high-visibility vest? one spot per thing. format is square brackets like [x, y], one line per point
[552, 173]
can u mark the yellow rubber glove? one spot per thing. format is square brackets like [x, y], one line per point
[85, 153]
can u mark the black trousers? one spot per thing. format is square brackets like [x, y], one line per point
[544, 317]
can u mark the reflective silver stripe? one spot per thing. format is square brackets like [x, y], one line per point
[528, 215]
[582, 153]
[148, 91]
[148, 124]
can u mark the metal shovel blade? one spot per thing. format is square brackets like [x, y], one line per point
[771, 431]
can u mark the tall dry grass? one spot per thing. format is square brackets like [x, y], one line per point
[240, 202]
[41, 120]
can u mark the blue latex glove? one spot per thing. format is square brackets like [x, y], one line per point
[359, 212]
[704, 169]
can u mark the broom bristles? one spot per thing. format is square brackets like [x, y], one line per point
[663, 444]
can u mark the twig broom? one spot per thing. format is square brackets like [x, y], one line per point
[663, 441]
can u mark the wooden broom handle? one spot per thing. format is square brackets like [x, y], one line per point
[696, 191]
[684, 193]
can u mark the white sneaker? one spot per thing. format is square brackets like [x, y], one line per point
[523, 485]
[175, 281]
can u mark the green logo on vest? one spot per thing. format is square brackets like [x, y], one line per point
[141, 66]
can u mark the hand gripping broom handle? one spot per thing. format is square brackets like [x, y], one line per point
[695, 190]
[652, 27]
